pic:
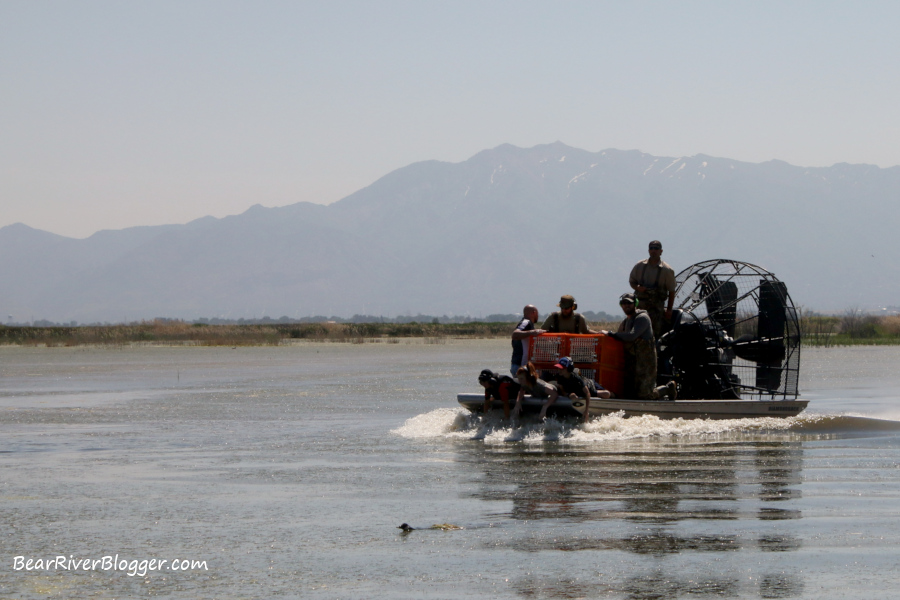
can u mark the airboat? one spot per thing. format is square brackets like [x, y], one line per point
[733, 351]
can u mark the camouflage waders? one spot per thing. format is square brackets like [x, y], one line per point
[640, 370]
[654, 302]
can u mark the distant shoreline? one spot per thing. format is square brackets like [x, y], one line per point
[817, 331]
[200, 334]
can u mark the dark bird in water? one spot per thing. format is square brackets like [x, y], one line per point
[405, 527]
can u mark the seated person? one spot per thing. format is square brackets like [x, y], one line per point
[538, 388]
[501, 387]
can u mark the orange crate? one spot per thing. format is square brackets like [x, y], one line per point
[598, 357]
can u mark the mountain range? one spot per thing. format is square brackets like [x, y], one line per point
[507, 227]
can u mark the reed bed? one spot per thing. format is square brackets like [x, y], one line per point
[183, 333]
[853, 328]
[849, 329]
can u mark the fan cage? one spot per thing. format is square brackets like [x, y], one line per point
[694, 287]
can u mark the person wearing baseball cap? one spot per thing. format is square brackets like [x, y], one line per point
[566, 320]
[636, 331]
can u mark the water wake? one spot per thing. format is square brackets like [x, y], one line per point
[460, 424]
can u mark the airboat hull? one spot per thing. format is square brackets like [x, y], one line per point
[664, 409]
[694, 409]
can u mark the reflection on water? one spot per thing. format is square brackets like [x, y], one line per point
[655, 488]
[663, 485]
[778, 543]
[660, 584]
[780, 586]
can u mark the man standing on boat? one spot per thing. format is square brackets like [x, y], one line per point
[636, 331]
[521, 337]
[566, 320]
[654, 282]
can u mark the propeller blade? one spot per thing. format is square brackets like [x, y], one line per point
[771, 327]
[721, 301]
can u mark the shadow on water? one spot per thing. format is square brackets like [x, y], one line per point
[653, 501]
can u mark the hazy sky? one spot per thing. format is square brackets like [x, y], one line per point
[114, 114]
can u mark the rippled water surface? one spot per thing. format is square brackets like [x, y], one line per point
[287, 471]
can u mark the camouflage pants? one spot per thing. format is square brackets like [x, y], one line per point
[654, 302]
[640, 370]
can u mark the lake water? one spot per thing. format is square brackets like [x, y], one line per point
[284, 472]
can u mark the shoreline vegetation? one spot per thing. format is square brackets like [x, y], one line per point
[164, 332]
[850, 329]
